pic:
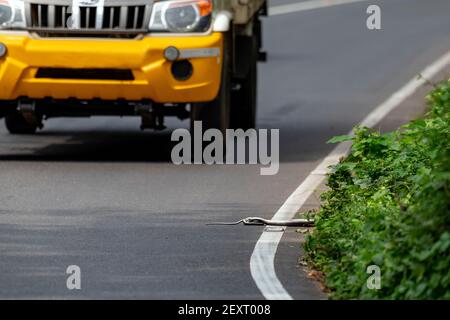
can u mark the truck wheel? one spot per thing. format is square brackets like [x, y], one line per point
[244, 99]
[216, 114]
[16, 124]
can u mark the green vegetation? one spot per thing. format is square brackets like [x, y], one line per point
[388, 205]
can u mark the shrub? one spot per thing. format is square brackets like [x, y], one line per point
[388, 205]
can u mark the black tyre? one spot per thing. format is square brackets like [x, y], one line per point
[16, 124]
[244, 98]
[216, 114]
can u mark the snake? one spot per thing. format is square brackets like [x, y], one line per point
[257, 221]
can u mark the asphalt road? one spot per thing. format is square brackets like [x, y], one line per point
[100, 194]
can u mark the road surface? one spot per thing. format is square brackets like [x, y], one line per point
[100, 194]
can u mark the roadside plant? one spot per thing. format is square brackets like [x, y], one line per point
[388, 205]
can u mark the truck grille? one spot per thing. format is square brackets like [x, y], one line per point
[55, 18]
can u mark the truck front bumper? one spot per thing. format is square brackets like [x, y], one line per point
[144, 58]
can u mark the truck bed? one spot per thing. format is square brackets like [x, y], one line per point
[243, 10]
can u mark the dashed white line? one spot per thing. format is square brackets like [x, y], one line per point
[262, 263]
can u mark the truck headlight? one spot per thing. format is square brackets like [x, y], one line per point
[12, 14]
[6, 13]
[181, 16]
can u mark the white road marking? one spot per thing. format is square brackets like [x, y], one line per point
[307, 5]
[262, 263]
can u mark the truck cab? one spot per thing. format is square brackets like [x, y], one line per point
[192, 59]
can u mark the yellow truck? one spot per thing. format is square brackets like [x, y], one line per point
[192, 59]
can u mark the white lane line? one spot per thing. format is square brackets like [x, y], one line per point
[262, 262]
[307, 5]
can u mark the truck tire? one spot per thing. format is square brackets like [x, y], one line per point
[216, 114]
[244, 99]
[16, 124]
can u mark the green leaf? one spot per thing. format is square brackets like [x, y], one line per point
[339, 139]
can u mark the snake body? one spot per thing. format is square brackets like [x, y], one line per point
[257, 221]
